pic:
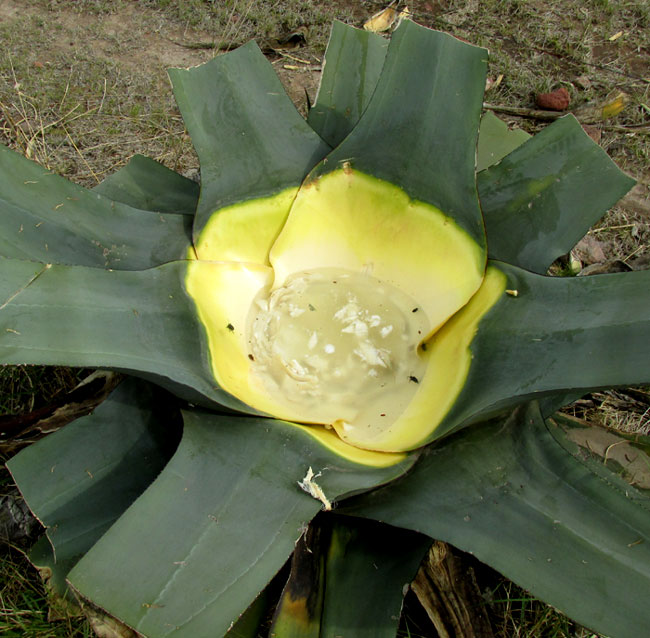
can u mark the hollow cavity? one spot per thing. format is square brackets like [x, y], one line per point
[340, 346]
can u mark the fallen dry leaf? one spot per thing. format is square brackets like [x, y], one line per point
[638, 200]
[386, 19]
[589, 250]
[604, 268]
[612, 106]
[491, 83]
[612, 447]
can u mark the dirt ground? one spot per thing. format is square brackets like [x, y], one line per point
[83, 85]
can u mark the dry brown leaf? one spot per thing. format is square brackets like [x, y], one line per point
[638, 200]
[106, 626]
[589, 250]
[386, 19]
[491, 83]
[610, 446]
[611, 107]
[604, 268]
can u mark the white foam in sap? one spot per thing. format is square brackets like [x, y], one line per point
[338, 346]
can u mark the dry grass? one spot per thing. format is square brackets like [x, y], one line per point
[83, 87]
[24, 604]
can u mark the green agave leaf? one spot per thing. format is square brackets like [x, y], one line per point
[431, 137]
[351, 68]
[348, 579]
[368, 568]
[46, 218]
[556, 335]
[250, 139]
[544, 196]
[215, 526]
[496, 140]
[512, 495]
[140, 322]
[80, 479]
[144, 183]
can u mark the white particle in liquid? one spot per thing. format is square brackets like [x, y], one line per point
[385, 331]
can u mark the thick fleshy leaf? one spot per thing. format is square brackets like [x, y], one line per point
[144, 183]
[49, 219]
[369, 567]
[549, 335]
[80, 479]
[496, 140]
[348, 578]
[246, 231]
[537, 513]
[544, 196]
[216, 525]
[251, 141]
[140, 322]
[351, 68]
[430, 137]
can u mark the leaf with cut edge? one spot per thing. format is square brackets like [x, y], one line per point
[431, 137]
[80, 479]
[145, 184]
[49, 219]
[555, 335]
[351, 68]
[141, 322]
[369, 567]
[496, 140]
[348, 578]
[544, 196]
[300, 607]
[216, 525]
[520, 497]
[250, 139]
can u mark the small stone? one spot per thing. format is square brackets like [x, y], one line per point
[557, 100]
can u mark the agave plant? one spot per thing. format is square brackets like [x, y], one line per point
[331, 310]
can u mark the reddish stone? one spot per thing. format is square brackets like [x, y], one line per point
[557, 100]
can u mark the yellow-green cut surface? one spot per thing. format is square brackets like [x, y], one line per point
[347, 219]
[245, 231]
